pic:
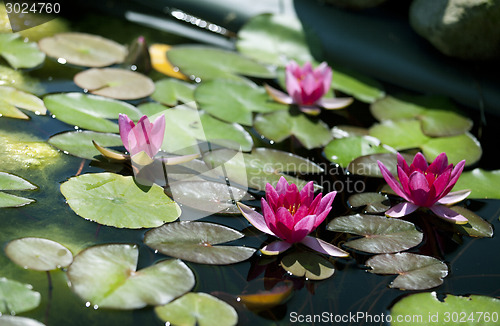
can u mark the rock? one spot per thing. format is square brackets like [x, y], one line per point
[355, 4]
[466, 29]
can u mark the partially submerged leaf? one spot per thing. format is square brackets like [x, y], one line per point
[12, 182]
[79, 143]
[171, 91]
[266, 299]
[20, 54]
[366, 165]
[359, 86]
[475, 227]
[344, 150]
[16, 297]
[309, 265]
[373, 202]
[7, 320]
[11, 100]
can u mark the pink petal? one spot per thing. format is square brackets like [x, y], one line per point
[282, 186]
[125, 125]
[326, 202]
[324, 247]
[419, 188]
[401, 209]
[307, 194]
[324, 72]
[419, 162]
[256, 219]
[275, 247]
[402, 163]
[391, 181]
[441, 182]
[439, 165]
[448, 214]
[455, 174]
[278, 95]
[404, 180]
[303, 228]
[454, 197]
[271, 196]
[269, 215]
[321, 217]
[158, 133]
[334, 103]
[284, 224]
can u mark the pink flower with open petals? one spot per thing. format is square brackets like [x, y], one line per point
[142, 137]
[429, 186]
[291, 215]
[306, 87]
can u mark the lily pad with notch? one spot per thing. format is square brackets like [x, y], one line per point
[12, 182]
[17, 297]
[373, 202]
[11, 100]
[475, 227]
[309, 265]
[20, 54]
[366, 165]
[482, 183]
[359, 86]
[170, 91]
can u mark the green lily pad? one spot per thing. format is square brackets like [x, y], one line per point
[171, 91]
[11, 100]
[107, 277]
[20, 54]
[200, 309]
[89, 111]
[401, 134]
[367, 165]
[206, 62]
[16, 297]
[278, 126]
[198, 242]
[19, 80]
[273, 39]
[8, 200]
[6, 320]
[382, 235]
[457, 148]
[308, 265]
[416, 272]
[12, 182]
[344, 131]
[83, 49]
[115, 200]
[373, 202]
[475, 227]
[79, 143]
[234, 101]
[483, 184]
[437, 114]
[115, 83]
[359, 86]
[38, 254]
[473, 310]
[344, 150]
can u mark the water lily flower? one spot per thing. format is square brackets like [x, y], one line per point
[291, 215]
[144, 136]
[423, 185]
[306, 87]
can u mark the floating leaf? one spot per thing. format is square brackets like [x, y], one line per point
[38, 254]
[6, 320]
[209, 63]
[482, 183]
[403, 134]
[343, 150]
[115, 200]
[11, 100]
[8, 200]
[234, 101]
[107, 277]
[266, 299]
[79, 143]
[89, 111]
[171, 91]
[158, 53]
[197, 309]
[115, 83]
[461, 147]
[277, 126]
[308, 265]
[381, 234]
[357, 85]
[19, 80]
[473, 310]
[197, 242]
[416, 272]
[475, 227]
[16, 297]
[374, 202]
[344, 131]
[11, 182]
[367, 165]
[83, 49]
[20, 54]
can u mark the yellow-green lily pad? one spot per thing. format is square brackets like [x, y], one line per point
[16, 297]
[11, 100]
[20, 54]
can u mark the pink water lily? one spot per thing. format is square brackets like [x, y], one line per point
[290, 215]
[423, 185]
[306, 87]
[142, 137]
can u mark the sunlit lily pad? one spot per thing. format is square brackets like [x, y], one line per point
[83, 49]
[482, 183]
[158, 53]
[89, 111]
[200, 309]
[12, 182]
[107, 277]
[234, 101]
[115, 83]
[357, 85]
[198, 242]
[475, 227]
[403, 134]
[115, 200]
[373, 202]
[197, 61]
[16, 297]
[11, 100]
[473, 310]
[461, 147]
[20, 54]
[6, 320]
[381, 234]
[308, 265]
[416, 272]
[343, 150]
[19, 80]
[79, 143]
[278, 126]
[367, 165]
[38, 254]
[171, 91]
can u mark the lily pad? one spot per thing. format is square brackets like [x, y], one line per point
[402, 134]
[107, 277]
[482, 183]
[83, 49]
[20, 54]
[115, 83]
[206, 62]
[171, 91]
[16, 297]
[234, 101]
[89, 111]
[197, 242]
[416, 272]
[115, 200]
[475, 227]
[268, 298]
[373, 202]
[359, 86]
[308, 265]
[158, 53]
[461, 147]
[197, 309]
[12, 182]
[19, 80]
[278, 126]
[473, 310]
[38, 254]
[6, 320]
[11, 100]
[367, 165]
[381, 234]
[344, 150]
[79, 143]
